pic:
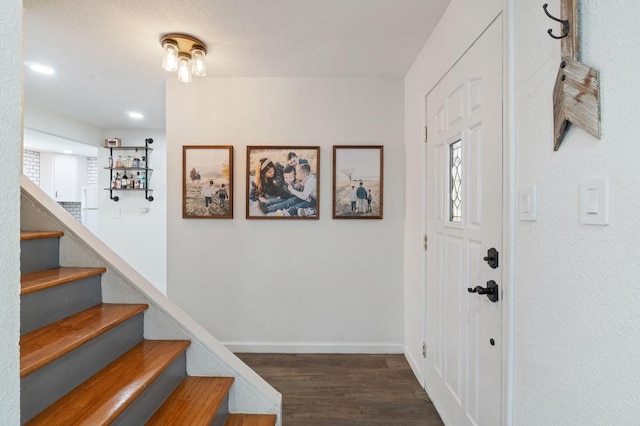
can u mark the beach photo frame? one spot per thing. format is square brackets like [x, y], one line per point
[207, 182]
[283, 182]
[358, 181]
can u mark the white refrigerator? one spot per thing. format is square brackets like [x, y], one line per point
[90, 207]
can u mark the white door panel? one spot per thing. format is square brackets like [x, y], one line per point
[464, 220]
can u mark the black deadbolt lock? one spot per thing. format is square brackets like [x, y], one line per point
[491, 258]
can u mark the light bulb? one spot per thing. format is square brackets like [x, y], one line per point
[198, 67]
[184, 68]
[170, 55]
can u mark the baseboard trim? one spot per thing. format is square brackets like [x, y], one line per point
[417, 371]
[310, 348]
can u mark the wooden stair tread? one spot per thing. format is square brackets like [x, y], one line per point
[194, 402]
[251, 420]
[34, 235]
[103, 397]
[40, 280]
[43, 346]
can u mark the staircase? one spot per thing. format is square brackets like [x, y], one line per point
[84, 362]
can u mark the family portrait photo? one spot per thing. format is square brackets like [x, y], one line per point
[207, 182]
[357, 182]
[283, 182]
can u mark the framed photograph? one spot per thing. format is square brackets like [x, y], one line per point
[207, 182]
[357, 181]
[283, 182]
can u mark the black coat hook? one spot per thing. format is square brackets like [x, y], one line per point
[565, 24]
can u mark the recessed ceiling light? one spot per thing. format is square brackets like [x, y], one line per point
[67, 151]
[135, 115]
[42, 69]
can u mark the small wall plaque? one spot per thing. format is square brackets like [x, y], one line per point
[576, 94]
[112, 143]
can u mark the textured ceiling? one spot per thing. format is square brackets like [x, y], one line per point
[107, 53]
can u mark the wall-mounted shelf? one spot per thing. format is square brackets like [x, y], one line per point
[135, 182]
[129, 168]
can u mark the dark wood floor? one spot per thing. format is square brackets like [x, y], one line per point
[345, 390]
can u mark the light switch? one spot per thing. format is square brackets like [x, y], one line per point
[594, 202]
[527, 203]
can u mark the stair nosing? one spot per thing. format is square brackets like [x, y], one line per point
[92, 324]
[36, 235]
[175, 407]
[90, 403]
[40, 280]
[231, 418]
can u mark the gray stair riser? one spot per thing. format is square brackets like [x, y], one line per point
[141, 410]
[39, 254]
[48, 384]
[223, 412]
[47, 306]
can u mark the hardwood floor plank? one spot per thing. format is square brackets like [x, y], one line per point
[194, 402]
[40, 280]
[99, 400]
[43, 346]
[345, 390]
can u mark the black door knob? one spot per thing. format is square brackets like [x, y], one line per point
[491, 290]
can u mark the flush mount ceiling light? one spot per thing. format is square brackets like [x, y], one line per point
[185, 54]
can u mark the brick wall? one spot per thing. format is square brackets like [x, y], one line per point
[31, 166]
[92, 170]
[72, 207]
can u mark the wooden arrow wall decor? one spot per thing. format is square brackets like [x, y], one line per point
[576, 94]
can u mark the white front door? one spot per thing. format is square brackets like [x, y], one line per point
[464, 220]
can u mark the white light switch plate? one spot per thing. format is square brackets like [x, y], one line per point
[594, 202]
[527, 201]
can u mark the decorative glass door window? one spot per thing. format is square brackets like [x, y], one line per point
[455, 181]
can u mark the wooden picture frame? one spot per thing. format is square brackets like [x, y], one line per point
[207, 182]
[358, 181]
[283, 182]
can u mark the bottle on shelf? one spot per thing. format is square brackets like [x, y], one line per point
[143, 162]
[117, 183]
[110, 162]
[136, 162]
[143, 181]
[128, 162]
[125, 181]
[119, 162]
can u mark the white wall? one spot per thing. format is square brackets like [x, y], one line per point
[56, 124]
[10, 165]
[273, 285]
[577, 325]
[461, 24]
[138, 236]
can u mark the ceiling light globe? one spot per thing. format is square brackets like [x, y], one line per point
[170, 55]
[198, 66]
[184, 68]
